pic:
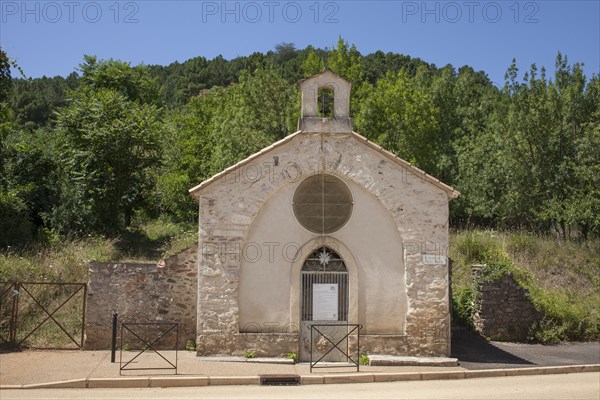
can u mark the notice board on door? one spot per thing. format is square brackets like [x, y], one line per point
[325, 302]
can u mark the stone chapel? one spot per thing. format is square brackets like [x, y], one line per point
[326, 227]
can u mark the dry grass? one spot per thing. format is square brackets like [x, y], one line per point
[67, 259]
[563, 278]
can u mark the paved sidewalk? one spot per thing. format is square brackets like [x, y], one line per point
[28, 367]
[476, 359]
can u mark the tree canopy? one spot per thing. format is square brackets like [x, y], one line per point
[113, 142]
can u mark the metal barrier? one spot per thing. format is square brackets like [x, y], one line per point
[21, 306]
[148, 344]
[314, 328]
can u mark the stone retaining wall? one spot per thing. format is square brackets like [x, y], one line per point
[502, 308]
[142, 293]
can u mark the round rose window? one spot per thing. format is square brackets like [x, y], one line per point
[322, 203]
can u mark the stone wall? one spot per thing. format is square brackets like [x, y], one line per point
[502, 308]
[229, 205]
[142, 293]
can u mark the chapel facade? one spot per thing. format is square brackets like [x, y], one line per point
[323, 227]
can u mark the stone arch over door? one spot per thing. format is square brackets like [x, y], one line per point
[304, 283]
[295, 277]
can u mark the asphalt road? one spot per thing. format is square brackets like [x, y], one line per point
[568, 386]
[474, 352]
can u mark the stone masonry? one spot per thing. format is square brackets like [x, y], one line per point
[502, 308]
[142, 293]
[416, 203]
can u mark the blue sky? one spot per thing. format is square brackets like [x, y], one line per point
[50, 37]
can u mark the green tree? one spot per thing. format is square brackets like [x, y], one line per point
[401, 118]
[346, 61]
[259, 110]
[541, 125]
[188, 145]
[220, 127]
[134, 83]
[313, 63]
[5, 84]
[108, 146]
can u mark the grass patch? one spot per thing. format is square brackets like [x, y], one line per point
[67, 259]
[64, 261]
[563, 279]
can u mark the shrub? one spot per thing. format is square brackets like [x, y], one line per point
[190, 345]
[293, 356]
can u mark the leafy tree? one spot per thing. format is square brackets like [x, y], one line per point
[220, 127]
[108, 144]
[134, 83]
[4, 76]
[313, 64]
[346, 61]
[34, 101]
[259, 110]
[5, 84]
[401, 118]
[188, 145]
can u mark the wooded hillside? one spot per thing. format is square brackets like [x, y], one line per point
[113, 145]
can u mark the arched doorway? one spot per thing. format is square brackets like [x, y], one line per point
[324, 299]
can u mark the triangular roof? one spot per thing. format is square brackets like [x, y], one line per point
[314, 124]
[450, 191]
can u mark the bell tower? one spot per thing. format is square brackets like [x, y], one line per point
[325, 104]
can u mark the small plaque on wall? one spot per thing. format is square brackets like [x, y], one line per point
[433, 259]
[325, 302]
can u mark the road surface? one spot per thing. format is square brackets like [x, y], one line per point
[567, 386]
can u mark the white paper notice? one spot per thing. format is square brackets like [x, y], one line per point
[433, 259]
[325, 302]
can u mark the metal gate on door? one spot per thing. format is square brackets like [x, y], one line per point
[324, 299]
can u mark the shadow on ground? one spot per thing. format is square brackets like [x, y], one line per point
[471, 348]
[134, 244]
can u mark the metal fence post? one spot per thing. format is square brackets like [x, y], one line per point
[15, 315]
[113, 348]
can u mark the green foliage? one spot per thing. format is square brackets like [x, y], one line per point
[395, 114]
[198, 142]
[190, 345]
[462, 305]
[346, 61]
[107, 146]
[5, 81]
[294, 357]
[134, 83]
[364, 359]
[567, 316]
[249, 354]
[34, 101]
[88, 154]
[313, 63]
[27, 175]
[562, 279]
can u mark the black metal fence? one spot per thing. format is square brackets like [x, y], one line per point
[139, 342]
[42, 315]
[317, 331]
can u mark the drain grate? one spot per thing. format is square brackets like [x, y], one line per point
[280, 380]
